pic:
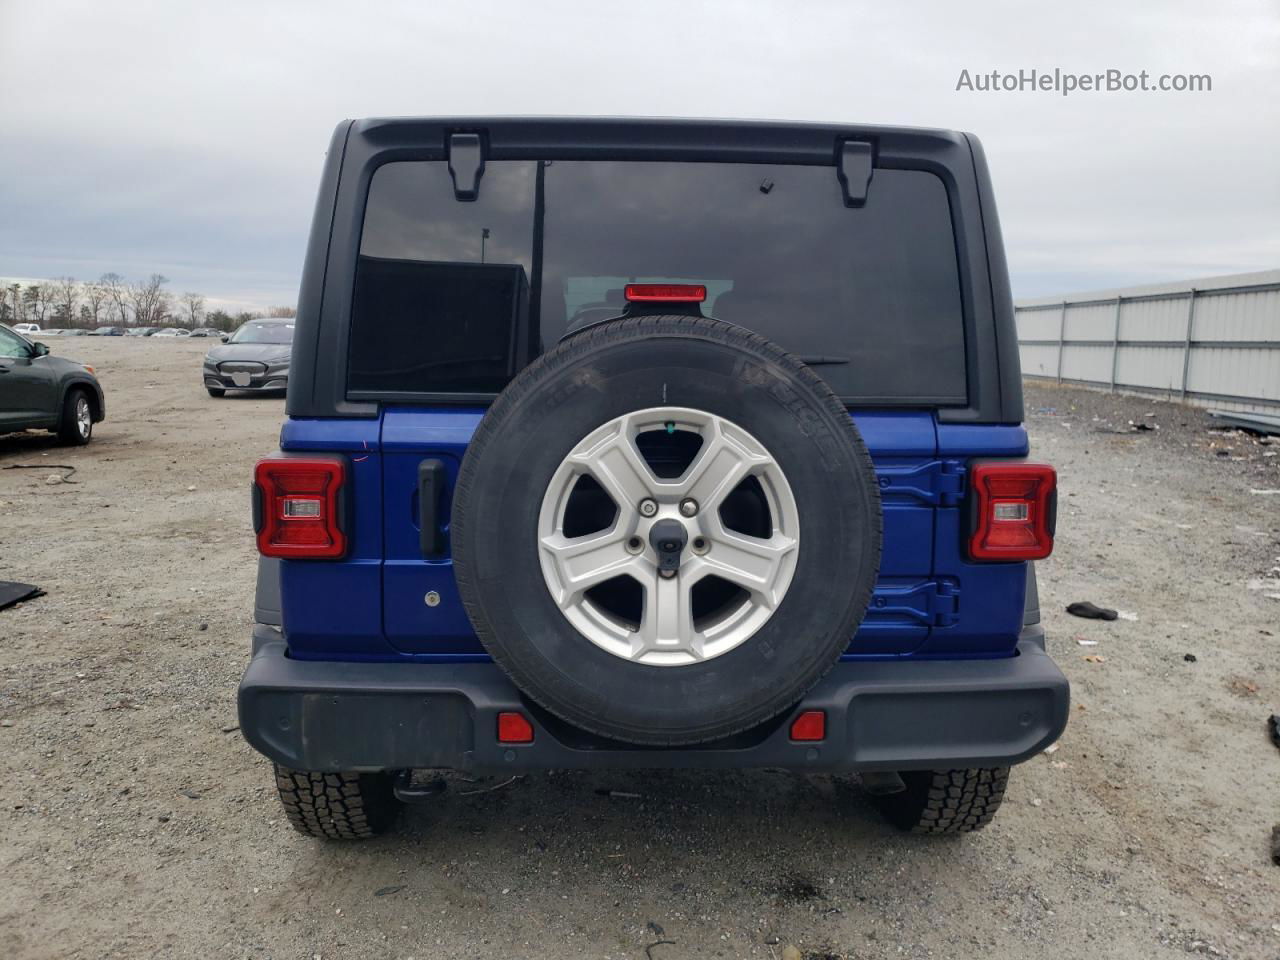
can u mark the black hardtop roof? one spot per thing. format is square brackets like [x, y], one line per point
[530, 136]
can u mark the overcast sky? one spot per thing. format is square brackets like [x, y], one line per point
[186, 138]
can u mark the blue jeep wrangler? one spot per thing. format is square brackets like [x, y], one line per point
[651, 444]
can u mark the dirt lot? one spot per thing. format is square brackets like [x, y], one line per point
[134, 821]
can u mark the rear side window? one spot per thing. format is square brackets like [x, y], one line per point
[442, 286]
[455, 297]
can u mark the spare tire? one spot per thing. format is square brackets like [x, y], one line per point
[670, 442]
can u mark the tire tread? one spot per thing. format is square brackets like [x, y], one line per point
[336, 806]
[68, 431]
[946, 801]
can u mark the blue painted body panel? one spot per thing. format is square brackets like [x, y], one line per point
[929, 601]
[334, 608]
[411, 626]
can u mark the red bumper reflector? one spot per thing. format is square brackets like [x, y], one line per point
[514, 728]
[668, 292]
[809, 726]
[1013, 510]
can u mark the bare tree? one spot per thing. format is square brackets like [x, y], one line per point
[117, 298]
[64, 294]
[150, 301]
[96, 300]
[17, 307]
[193, 305]
[284, 311]
[36, 300]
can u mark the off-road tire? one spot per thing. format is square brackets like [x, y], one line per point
[337, 806]
[216, 392]
[68, 425]
[619, 367]
[946, 801]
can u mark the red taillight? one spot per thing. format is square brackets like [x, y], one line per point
[1013, 510]
[298, 506]
[809, 726]
[669, 292]
[514, 728]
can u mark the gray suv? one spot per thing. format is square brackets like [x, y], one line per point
[255, 357]
[39, 391]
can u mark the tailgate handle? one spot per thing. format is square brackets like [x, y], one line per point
[430, 492]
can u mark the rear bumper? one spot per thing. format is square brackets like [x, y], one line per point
[881, 715]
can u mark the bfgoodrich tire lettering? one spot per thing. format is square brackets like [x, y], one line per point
[606, 372]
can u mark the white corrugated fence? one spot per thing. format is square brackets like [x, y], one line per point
[1213, 342]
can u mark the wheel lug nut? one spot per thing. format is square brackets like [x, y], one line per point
[688, 507]
[648, 507]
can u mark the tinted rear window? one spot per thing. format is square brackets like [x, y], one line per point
[455, 297]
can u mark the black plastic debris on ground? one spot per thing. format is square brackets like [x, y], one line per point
[1189, 657]
[1274, 726]
[13, 593]
[1091, 611]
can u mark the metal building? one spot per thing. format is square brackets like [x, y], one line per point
[1212, 342]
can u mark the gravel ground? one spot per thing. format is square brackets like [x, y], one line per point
[134, 821]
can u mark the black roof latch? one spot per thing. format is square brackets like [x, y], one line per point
[466, 164]
[853, 167]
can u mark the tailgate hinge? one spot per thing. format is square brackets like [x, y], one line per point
[946, 603]
[466, 164]
[853, 168]
[939, 482]
[935, 603]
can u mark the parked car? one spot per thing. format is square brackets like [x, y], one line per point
[26, 329]
[639, 485]
[140, 331]
[206, 332]
[108, 332]
[39, 391]
[46, 332]
[75, 332]
[255, 357]
[172, 332]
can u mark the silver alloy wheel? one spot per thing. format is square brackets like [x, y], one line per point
[84, 417]
[667, 635]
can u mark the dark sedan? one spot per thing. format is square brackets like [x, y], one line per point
[42, 392]
[255, 357]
